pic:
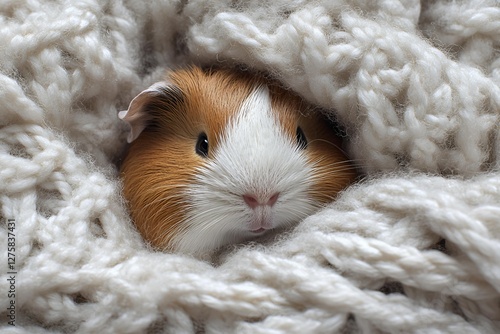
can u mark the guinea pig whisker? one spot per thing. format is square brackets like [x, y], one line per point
[297, 216]
[208, 222]
[330, 143]
[331, 174]
[351, 163]
[205, 212]
[321, 171]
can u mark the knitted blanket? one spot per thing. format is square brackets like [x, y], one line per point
[414, 247]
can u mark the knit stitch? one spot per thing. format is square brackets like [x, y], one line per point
[414, 247]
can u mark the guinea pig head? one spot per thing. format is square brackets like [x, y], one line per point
[220, 156]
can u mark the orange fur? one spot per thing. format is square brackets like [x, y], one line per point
[162, 161]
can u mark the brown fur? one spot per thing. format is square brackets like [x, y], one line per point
[162, 161]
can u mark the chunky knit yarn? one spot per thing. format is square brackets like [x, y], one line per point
[412, 248]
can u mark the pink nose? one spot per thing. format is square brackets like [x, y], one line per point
[253, 202]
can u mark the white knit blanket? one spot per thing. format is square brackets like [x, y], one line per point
[412, 248]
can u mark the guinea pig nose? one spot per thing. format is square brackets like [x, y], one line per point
[273, 199]
[253, 202]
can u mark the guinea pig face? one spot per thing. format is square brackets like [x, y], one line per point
[221, 157]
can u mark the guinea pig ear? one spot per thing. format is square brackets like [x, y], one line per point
[136, 115]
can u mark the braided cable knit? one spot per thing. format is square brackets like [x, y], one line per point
[414, 247]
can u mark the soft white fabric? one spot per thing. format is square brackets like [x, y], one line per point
[413, 248]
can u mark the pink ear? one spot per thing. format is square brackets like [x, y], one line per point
[136, 116]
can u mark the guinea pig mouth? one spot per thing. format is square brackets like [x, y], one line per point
[262, 220]
[259, 230]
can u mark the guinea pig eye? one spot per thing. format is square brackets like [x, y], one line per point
[202, 145]
[301, 138]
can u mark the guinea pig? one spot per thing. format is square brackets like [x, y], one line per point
[222, 156]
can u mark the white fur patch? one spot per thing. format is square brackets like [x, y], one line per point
[255, 156]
